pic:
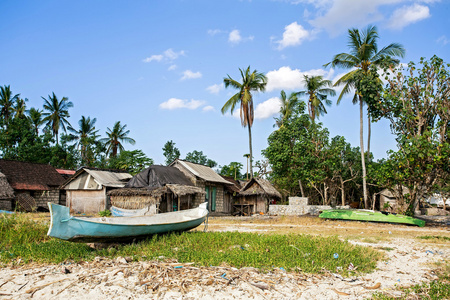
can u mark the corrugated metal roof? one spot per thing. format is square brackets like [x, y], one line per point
[109, 179]
[204, 172]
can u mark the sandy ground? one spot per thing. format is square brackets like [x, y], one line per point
[409, 261]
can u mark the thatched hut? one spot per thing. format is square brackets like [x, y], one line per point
[6, 194]
[162, 188]
[255, 197]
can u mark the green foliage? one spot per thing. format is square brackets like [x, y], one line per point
[232, 170]
[170, 152]
[56, 114]
[133, 161]
[116, 137]
[104, 213]
[199, 158]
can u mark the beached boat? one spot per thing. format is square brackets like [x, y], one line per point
[370, 216]
[104, 229]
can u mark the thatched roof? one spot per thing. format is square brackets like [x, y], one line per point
[259, 186]
[203, 172]
[234, 187]
[6, 191]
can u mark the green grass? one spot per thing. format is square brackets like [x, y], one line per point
[24, 239]
[434, 237]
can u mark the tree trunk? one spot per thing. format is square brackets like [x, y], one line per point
[301, 187]
[342, 192]
[361, 142]
[251, 152]
[369, 130]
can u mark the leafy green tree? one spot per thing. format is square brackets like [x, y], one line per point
[251, 82]
[199, 158]
[7, 100]
[85, 136]
[363, 54]
[417, 103]
[317, 90]
[56, 113]
[170, 152]
[19, 108]
[35, 116]
[116, 137]
[232, 170]
[287, 106]
[133, 161]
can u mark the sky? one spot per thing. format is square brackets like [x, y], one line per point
[158, 66]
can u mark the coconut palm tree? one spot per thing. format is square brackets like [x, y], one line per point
[317, 90]
[287, 107]
[363, 53]
[57, 112]
[85, 136]
[115, 138]
[251, 82]
[20, 108]
[35, 115]
[7, 100]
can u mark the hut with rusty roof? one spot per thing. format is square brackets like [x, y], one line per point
[209, 181]
[87, 189]
[34, 184]
[255, 197]
[161, 188]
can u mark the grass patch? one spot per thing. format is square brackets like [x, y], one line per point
[434, 237]
[25, 240]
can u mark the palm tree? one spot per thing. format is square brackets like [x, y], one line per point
[57, 113]
[317, 89]
[253, 81]
[115, 138]
[363, 53]
[19, 108]
[7, 102]
[35, 116]
[85, 136]
[287, 107]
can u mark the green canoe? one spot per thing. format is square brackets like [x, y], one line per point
[371, 216]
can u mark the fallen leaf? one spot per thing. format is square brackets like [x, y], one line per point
[340, 293]
[376, 286]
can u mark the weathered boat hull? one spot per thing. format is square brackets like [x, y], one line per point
[121, 212]
[370, 216]
[85, 229]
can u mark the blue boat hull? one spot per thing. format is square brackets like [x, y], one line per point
[84, 229]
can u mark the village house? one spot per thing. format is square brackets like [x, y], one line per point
[33, 184]
[161, 188]
[87, 189]
[6, 194]
[255, 197]
[209, 181]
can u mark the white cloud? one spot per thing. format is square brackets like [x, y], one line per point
[293, 35]
[174, 103]
[168, 55]
[208, 108]
[288, 79]
[408, 15]
[188, 74]
[172, 67]
[234, 36]
[215, 88]
[443, 40]
[267, 108]
[213, 32]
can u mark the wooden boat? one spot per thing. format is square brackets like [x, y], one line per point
[122, 212]
[104, 229]
[371, 216]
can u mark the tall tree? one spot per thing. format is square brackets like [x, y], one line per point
[56, 113]
[363, 54]
[251, 82]
[85, 136]
[7, 100]
[19, 108]
[286, 108]
[170, 152]
[116, 137]
[35, 116]
[317, 90]
[199, 158]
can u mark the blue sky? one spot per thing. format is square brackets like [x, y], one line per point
[158, 66]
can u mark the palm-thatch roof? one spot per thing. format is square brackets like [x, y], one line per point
[234, 187]
[6, 191]
[259, 186]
